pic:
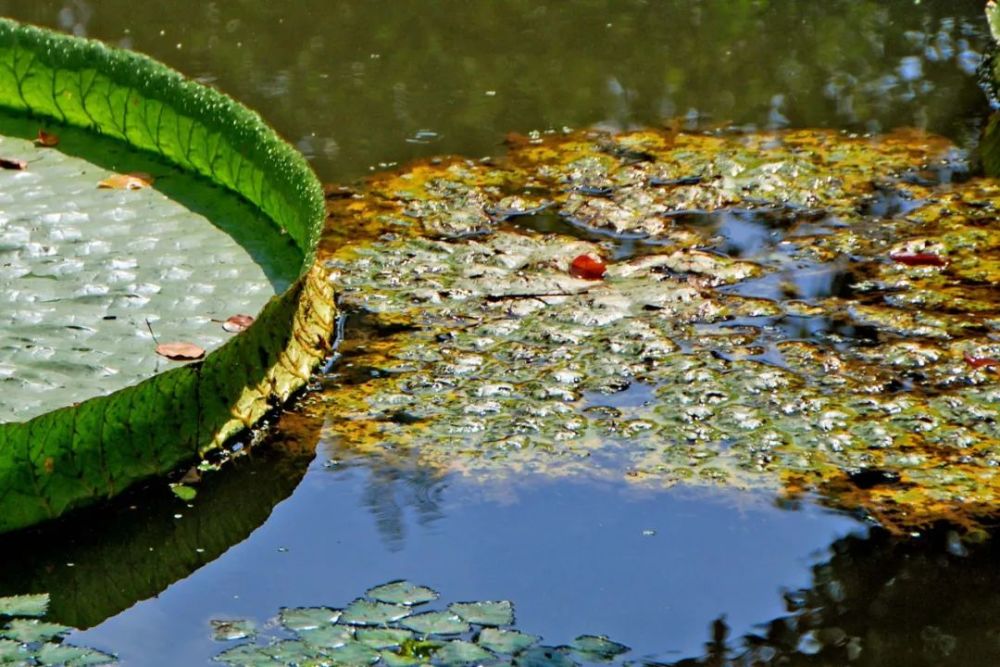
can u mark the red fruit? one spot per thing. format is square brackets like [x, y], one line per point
[587, 267]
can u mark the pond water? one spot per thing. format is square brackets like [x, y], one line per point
[360, 86]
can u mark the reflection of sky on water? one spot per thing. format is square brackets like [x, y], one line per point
[651, 570]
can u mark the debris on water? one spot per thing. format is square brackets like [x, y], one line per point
[981, 362]
[918, 259]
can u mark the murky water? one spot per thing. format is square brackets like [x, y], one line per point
[363, 85]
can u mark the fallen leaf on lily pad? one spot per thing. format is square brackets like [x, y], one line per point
[237, 323]
[133, 181]
[180, 351]
[46, 139]
[12, 163]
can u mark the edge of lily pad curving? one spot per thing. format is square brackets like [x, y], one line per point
[95, 449]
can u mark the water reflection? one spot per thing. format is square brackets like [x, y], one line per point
[96, 563]
[881, 601]
[358, 84]
[389, 491]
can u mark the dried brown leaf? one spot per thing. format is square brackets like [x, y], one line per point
[180, 351]
[46, 139]
[132, 181]
[237, 323]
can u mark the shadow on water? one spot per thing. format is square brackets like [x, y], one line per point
[97, 563]
[881, 601]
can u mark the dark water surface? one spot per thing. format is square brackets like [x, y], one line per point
[357, 84]
[361, 85]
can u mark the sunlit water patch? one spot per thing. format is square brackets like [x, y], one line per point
[93, 278]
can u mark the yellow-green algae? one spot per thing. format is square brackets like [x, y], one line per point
[753, 329]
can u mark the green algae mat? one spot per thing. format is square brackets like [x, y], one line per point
[114, 244]
[803, 312]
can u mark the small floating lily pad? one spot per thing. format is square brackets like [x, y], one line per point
[402, 592]
[506, 641]
[351, 653]
[10, 651]
[598, 646]
[436, 623]
[228, 630]
[24, 605]
[391, 659]
[245, 655]
[30, 630]
[383, 637]
[499, 612]
[544, 656]
[307, 618]
[184, 492]
[71, 656]
[366, 612]
[328, 636]
[461, 653]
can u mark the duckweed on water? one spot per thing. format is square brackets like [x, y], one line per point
[753, 328]
[25, 639]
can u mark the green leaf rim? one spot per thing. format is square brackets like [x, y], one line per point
[78, 454]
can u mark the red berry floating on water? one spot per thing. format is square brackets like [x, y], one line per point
[587, 267]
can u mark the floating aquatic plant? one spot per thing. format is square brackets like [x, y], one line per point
[26, 639]
[770, 316]
[464, 633]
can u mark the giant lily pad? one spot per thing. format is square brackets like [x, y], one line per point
[76, 454]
